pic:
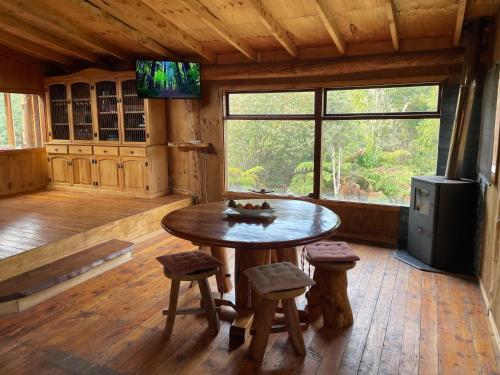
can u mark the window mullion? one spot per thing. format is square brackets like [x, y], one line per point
[11, 137]
[318, 112]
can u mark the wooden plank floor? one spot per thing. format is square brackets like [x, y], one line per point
[406, 322]
[32, 220]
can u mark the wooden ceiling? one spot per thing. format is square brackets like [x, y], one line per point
[104, 32]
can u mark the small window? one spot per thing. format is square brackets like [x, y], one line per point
[20, 120]
[383, 100]
[271, 103]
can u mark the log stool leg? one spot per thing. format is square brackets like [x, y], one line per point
[172, 307]
[264, 321]
[209, 306]
[293, 325]
[337, 311]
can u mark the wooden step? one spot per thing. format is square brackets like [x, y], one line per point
[32, 287]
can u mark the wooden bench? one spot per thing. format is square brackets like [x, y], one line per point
[30, 288]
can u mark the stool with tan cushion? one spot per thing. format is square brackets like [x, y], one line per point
[190, 266]
[331, 261]
[274, 282]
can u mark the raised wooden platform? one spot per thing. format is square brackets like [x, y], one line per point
[41, 227]
[30, 288]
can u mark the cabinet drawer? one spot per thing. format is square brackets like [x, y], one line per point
[132, 151]
[80, 150]
[57, 149]
[105, 150]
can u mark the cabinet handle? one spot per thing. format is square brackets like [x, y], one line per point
[56, 149]
[105, 151]
[419, 229]
[79, 150]
[132, 152]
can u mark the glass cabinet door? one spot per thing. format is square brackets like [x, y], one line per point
[58, 102]
[81, 110]
[134, 124]
[107, 111]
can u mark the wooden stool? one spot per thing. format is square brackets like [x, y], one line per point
[274, 282]
[190, 266]
[331, 261]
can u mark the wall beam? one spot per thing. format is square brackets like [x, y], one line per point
[462, 5]
[275, 28]
[330, 25]
[214, 23]
[390, 10]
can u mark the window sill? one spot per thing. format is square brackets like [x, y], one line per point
[8, 151]
[325, 202]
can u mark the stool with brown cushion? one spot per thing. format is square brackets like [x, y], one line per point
[274, 282]
[331, 261]
[190, 266]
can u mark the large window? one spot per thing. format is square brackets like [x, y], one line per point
[21, 117]
[360, 144]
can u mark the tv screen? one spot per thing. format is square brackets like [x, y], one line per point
[167, 79]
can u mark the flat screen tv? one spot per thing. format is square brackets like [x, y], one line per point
[167, 79]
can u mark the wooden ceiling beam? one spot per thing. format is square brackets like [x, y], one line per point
[214, 23]
[40, 14]
[330, 25]
[390, 10]
[142, 17]
[333, 67]
[462, 5]
[275, 28]
[42, 37]
[32, 49]
[127, 31]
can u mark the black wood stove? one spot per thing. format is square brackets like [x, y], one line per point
[442, 222]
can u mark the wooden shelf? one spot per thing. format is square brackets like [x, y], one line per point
[192, 146]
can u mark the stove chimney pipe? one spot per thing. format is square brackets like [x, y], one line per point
[464, 104]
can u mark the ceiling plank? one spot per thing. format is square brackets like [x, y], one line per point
[462, 5]
[143, 18]
[330, 25]
[275, 28]
[40, 14]
[127, 31]
[33, 49]
[221, 29]
[42, 37]
[390, 10]
[334, 67]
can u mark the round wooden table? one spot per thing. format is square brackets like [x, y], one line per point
[297, 223]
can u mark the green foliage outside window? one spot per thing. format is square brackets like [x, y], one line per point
[362, 160]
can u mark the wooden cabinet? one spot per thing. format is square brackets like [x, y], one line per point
[107, 173]
[59, 170]
[104, 137]
[102, 107]
[81, 171]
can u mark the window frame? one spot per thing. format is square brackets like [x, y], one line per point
[319, 116]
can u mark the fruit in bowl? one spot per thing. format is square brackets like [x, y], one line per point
[250, 209]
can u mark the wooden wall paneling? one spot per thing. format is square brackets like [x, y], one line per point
[15, 71]
[177, 133]
[157, 124]
[195, 166]
[9, 122]
[489, 273]
[23, 170]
